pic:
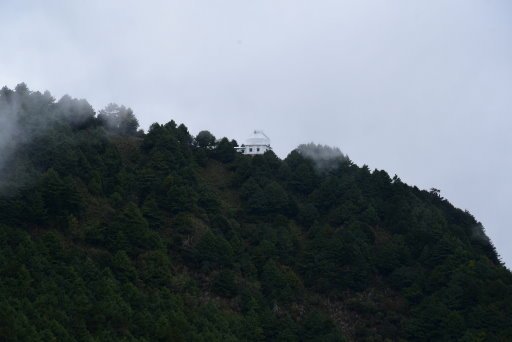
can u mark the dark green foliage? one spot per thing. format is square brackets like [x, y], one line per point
[129, 231]
[224, 284]
[107, 233]
[214, 250]
[205, 139]
[225, 150]
[318, 327]
[280, 283]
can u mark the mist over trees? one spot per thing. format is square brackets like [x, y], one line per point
[109, 233]
[118, 119]
[325, 157]
[34, 122]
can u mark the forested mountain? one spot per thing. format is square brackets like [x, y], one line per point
[109, 233]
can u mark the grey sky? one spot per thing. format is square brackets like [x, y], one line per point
[422, 89]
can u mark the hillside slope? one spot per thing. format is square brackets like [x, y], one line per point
[109, 233]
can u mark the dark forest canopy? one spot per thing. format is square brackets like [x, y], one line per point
[110, 233]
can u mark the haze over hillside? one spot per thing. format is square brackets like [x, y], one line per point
[111, 233]
[418, 88]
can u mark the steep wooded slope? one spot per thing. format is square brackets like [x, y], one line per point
[109, 233]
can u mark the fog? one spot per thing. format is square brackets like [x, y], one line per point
[8, 133]
[421, 89]
[325, 158]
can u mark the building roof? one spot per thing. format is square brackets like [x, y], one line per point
[258, 138]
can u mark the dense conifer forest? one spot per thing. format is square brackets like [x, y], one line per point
[111, 233]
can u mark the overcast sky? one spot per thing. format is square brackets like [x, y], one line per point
[421, 89]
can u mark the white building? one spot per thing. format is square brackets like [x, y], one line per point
[258, 143]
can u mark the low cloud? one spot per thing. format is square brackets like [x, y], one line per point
[26, 116]
[9, 129]
[326, 158]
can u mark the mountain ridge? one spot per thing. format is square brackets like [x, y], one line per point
[108, 232]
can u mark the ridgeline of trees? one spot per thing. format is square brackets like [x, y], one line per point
[109, 233]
